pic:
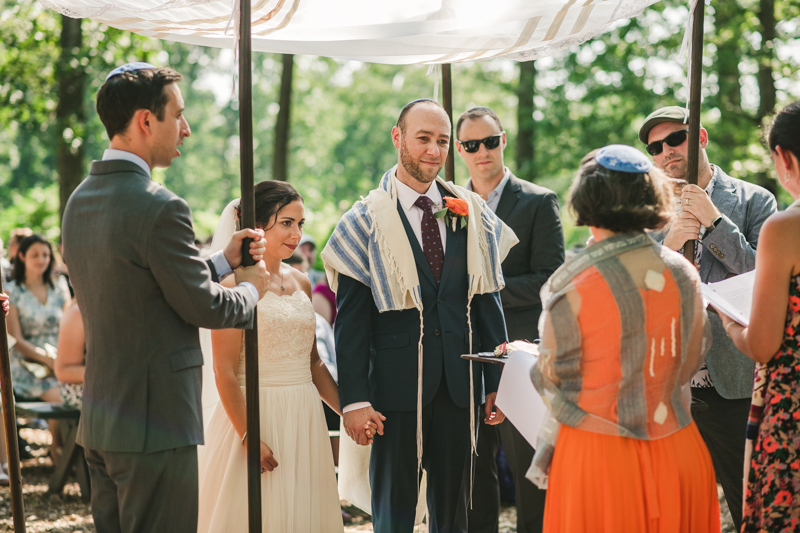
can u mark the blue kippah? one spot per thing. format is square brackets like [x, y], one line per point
[130, 67]
[623, 158]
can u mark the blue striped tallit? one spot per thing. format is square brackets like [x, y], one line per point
[370, 245]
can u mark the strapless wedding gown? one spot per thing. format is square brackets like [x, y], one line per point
[300, 495]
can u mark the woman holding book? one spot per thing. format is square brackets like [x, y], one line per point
[772, 339]
[622, 333]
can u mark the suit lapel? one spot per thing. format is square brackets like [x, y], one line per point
[452, 247]
[723, 196]
[419, 255]
[509, 198]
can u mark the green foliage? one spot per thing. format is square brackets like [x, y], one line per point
[591, 95]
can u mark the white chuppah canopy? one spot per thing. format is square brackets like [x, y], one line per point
[393, 32]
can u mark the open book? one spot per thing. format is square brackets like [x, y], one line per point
[733, 296]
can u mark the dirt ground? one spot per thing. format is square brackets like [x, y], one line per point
[66, 512]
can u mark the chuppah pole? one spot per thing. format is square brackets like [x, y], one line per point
[695, 86]
[10, 425]
[249, 221]
[447, 102]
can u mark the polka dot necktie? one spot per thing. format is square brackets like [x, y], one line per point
[431, 238]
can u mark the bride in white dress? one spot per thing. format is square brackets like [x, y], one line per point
[298, 484]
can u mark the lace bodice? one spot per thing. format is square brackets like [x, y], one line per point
[286, 327]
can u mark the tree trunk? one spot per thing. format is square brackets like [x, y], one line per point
[280, 160]
[525, 123]
[70, 113]
[766, 84]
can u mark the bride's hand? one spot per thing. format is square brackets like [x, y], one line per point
[268, 461]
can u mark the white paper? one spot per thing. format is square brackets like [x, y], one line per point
[733, 296]
[517, 397]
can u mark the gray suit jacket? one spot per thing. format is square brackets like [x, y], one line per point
[728, 250]
[143, 292]
[532, 212]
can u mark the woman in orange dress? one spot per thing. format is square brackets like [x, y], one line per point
[623, 332]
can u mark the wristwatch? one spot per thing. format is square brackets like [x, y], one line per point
[713, 224]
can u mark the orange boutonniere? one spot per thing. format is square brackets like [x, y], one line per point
[456, 210]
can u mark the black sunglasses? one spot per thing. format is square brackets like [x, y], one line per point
[674, 139]
[473, 146]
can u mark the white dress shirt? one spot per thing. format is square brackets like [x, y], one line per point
[217, 259]
[407, 196]
[493, 200]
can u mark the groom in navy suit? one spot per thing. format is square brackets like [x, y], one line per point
[377, 352]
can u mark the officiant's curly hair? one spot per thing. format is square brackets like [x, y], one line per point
[124, 94]
[270, 197]
[620, 201]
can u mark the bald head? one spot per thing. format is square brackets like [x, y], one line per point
[422, 139]
[422, 102]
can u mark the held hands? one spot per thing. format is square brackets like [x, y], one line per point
[233, 251]
[496, 417]
[257, 274]
[268, 461]
[361, 424]
[4, 300]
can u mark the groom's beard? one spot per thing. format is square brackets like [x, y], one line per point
[413, 167]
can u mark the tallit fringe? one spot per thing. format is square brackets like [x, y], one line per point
[384, 248]
[473, 452]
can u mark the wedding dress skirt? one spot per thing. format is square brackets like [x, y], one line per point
[300, 495]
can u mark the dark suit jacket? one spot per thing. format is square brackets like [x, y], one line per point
[377, 352]
[143, 292]
[532, 212]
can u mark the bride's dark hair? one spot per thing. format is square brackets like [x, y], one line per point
[271, 197]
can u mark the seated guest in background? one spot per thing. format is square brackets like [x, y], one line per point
[70, 362]
[37, 305]
[773, 341]
[298, 261]
[309, 248]
[4, 263]
[15, 237]
[724, 215]
[532, 212]
[4, 480]
[324, 301]
[623, 331]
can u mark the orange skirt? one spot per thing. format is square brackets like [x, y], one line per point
[604, 483]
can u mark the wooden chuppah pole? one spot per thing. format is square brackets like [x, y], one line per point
[249, 221]
[10, 425]
[695, 86]
[447, 102]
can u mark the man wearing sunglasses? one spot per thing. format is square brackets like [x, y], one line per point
[725, 216]
[532, 212]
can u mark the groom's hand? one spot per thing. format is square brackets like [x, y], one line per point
[257, 274]
[496, 417]
[233, 252]
[356, 422]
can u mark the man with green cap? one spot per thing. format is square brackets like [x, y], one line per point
[724, 215]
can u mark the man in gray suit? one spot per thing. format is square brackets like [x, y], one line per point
[532, 212]
[725, 216]
[144, 292]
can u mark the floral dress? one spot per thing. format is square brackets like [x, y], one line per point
[772, 498]
[39, 324]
